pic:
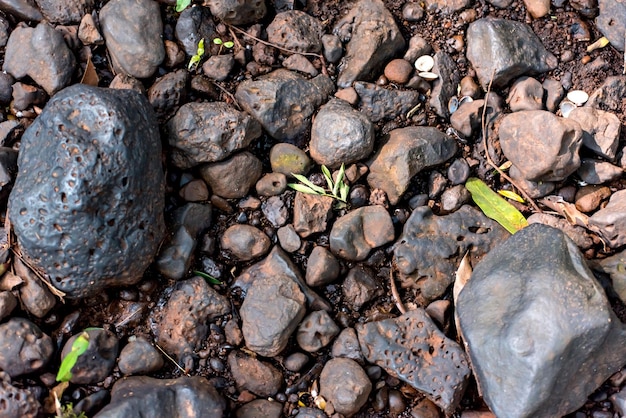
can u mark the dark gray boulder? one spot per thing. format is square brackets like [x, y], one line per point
[65, 12]
[24, 348]
[538, 327]
[194, 24]
[87, 205]
[143, 396]
[15, 401]
[431, 247]
[507, 47]
[413, 349]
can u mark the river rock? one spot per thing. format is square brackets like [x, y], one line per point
[507, 47]
[445, 86]
[181, 326]
[133, 32]
[311, 213]
[297, 31]
[413, 349]
[431, 247]
[598, 172]
[245, 242]
[355, 234]
[601, 130]
[322, 267]
[233, 177]
[261, 408]
[283, 101]
[209, 132]
[167, 93]
[22, 9]
[373, 37]
[194, 24]
[340, 135]
[238, 12]
[102, 172]
[65, 12]
[252, 374]
[379, 103]
[612, 220]
[289, 160]
[184, 397]
[409, 151]
[612, 22]
[560, 338]
[345, 384]
[42, 54]
[24, 348]
[526, 93]
[17, 402]
[541, 145]
[316, 331]
[139, 357]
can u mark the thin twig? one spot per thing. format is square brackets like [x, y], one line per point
[172, 360]
[235, 39]
[229, 94]
[489, 160]
[394, 292]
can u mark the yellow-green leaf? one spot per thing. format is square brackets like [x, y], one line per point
[182, 5]
[511, 195]
[79, 346]
[495, 207]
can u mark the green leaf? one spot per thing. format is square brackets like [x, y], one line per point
[328, 176]
[494, 206]
[193, 62]
[511, 195]
[343, 192]
[79, 346]
[182, 5]
[306, 181]
[302, 188]
[207, 277]
[229, 44]
[217, 41]
[339, 181]
[200, 50]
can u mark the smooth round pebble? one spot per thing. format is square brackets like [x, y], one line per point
[245, 242]
[289, 159]
[412, 12]
[271, 184]
[295, 362]
[398, 71]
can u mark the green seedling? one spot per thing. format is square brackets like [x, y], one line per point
[338, 190]
[207, 277]
[79, 346]
[195, 60]
[494, 206]
[182, 5]
[222, 44]
[67, 411]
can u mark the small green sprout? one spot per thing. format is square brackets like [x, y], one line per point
[222, 44]
[207, 277]
[67, 411]
[338, 190]
[79, 346]
[182, 5]
[195, 60]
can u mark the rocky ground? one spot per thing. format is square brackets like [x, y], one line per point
[146, 208]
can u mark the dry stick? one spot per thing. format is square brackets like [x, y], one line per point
[490, 161]
[291, 51]
[394, 292]
[172, 360]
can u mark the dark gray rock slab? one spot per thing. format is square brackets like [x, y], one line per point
[283, 101]
[139, 357]
[358, 232]
[316, 331]
[194, 24]
[15, 401]
[181, 326]
[133, 32]
[345, 384]
[601, 130]
[87, 205]
[379, 103]
[42, 54]
[185, 397]
[65, 12]
[232, 178]
[238, 12]
[612, 220]
[408, 151]
[612, 22]
[22, 9]
[509, 48]
[24, 348]
[373, 37]
[340, 135]
[250, 373]
[95, 364]
[538, 327]
[209, 132]
[541, 145]
[297, 31]
[431, 247]
[245, 242]
[413, 349]
[444, 87]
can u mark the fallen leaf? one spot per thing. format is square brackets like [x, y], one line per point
[90, 77]
[494, 206]
[600, 43]
[511, 195]
[566, 210]
[462, 276]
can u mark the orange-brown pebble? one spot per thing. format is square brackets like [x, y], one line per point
[349, 95]
[585, 59]
[398, 71]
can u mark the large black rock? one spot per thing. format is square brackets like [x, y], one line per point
[87, 206]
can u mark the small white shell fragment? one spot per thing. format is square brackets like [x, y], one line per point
[427, 75]
[453, 104]
[465, 99]
[424, 63]
[578, 97]
[566, 107]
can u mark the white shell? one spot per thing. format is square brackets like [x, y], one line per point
[578, 97]
[566, 107]
[427, 75]
[424, 63]
[453, 104]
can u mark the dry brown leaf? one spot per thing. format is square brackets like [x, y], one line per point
[566, 210]
[463, 274]
[90, 77]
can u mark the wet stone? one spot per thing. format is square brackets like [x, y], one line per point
[194, 24]
[333, 50]
[445, 86]
[245, 242]
[289, 238]
[311, 213]
[459, 171]
[275, 211]
[133, 34]
[561, 339]
[360, 287]
[233, 178]
[184, 397]
[344, 383]
[297, 31]
[283, 101]
[431, 247]
[453, 198]
[612, 220]
[347, 345]
[16, 402]
[24, 348]
[260, 408]
[295, 361]
[181, 325]
[373, 38]
[122, 196]
[95, 364]
[322, 267]
[554, 93]
[194, 191]
[252, 374]
[507, 47]
[289, 159]
[238, 12]
[379, 103]
[271, 184]
[65, 12]
[42, 54]
[316, 331]
[598, 172]
[355, 234]
[139, 357]
[526, 93]
[601, 130]
[418, 354]
[167, 92]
